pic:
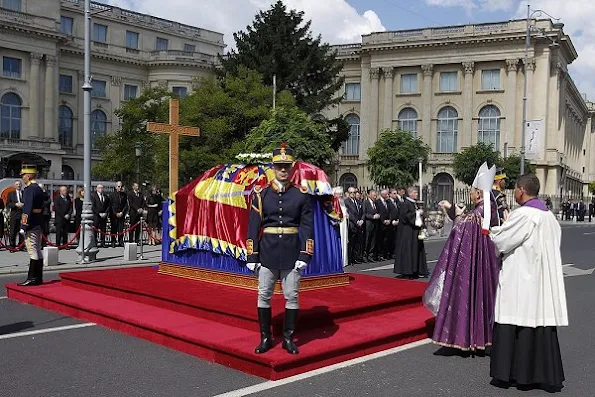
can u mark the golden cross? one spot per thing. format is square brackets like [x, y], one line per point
[174, 129]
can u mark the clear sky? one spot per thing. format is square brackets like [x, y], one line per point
[344, 21]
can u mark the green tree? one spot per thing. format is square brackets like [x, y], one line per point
[279, 42]
[394, 158]
[294, 127]
[511, 166]
[592, 187]
[118, 149]
[467, 162]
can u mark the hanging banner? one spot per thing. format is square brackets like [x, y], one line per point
[533, 139]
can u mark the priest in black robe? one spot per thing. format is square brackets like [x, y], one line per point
[410, 254]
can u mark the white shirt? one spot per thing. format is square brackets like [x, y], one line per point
[530, 289]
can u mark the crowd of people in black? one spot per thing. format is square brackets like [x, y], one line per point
[113, 213]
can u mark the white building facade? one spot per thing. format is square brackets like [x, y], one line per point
[456, 86]
[41, 98]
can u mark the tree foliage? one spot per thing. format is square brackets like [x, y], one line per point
[294, 127]
[118, 149]
[511, 166]
[279, 42]
[394, 158]
[592, 187]
[467, 162]
[224, 110]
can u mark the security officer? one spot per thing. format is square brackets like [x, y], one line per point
[280, 244]
[32, 223]
[498, 192]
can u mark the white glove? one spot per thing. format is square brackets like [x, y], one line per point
[22, 231]
[252, 266]
[299, 265]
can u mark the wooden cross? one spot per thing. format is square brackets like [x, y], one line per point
[174, 130]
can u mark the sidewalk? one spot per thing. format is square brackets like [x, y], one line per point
[18, 262]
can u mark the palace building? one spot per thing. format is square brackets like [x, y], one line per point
[41, 99]
[455, 86]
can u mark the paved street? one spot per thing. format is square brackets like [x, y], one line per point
[47, 354]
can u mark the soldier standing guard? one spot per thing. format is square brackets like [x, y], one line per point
[279, 246]
[498, 192]
[31, 224]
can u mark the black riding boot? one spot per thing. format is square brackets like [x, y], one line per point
[34, 277]
[288, 331]
[266, 340]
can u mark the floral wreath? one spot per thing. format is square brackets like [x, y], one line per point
[254, 158]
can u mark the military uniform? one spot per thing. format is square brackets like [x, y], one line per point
[280, 244]
[500, 197]
[31, 226]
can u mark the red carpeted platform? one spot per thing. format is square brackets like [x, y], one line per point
[220, 324]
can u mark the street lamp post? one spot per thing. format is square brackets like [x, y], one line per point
[525, 64]
[138, 152]
[87, 248]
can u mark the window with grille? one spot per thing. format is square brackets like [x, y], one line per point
[408, 121]
[408, 83]
[488, 130]
[353, 92]
[447, 130]
[351, 145]
[448, 81]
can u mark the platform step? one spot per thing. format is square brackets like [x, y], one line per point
[227, 344]
[368, 296]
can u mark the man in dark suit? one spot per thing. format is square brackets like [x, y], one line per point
[101, 209]
[63, 213]
[355, 226]
[372, 217]
[393, 209]
[15, 204]
[136, 204]
[119, 203]
[384, 227]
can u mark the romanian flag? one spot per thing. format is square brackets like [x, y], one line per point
[212, 212]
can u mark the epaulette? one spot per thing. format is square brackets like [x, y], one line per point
[257, 189]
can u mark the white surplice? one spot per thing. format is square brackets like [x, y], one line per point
[343, 230]
[531, 285]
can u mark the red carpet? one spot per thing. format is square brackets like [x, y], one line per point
[219, 323]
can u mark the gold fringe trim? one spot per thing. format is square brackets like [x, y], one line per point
[466, 349]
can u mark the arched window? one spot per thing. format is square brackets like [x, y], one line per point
[488, 130]
[351, 145]
[67, 172]
[348, 180]
[408, 121]
[443, 185]
[65, 125]
[447, 130]
[10, 116]
[98, 126]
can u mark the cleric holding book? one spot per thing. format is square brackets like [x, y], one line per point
[280, 245]
[530, 298]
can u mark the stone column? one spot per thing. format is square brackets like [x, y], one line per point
[467, 138]
[426, 116]
[374, 75]
[388, 97]
[512, 125]
[530, 68]
[34, 95]
[50, 118]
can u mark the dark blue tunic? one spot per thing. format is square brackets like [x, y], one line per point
[33, 198]
[282, 211]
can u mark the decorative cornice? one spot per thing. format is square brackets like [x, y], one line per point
[116, 81]
[388, 72]
[427, 69]
[35, 57]
[512, 65]
[469, 67]
[374, 73]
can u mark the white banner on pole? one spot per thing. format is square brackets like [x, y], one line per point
[533, 139]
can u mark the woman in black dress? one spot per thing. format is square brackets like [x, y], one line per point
[153, 207]
[78, 208]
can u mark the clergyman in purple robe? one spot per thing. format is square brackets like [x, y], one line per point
[462, 288]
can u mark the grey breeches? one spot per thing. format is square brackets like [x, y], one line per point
[290, 281]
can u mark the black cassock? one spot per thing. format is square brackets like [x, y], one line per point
[410, 254]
